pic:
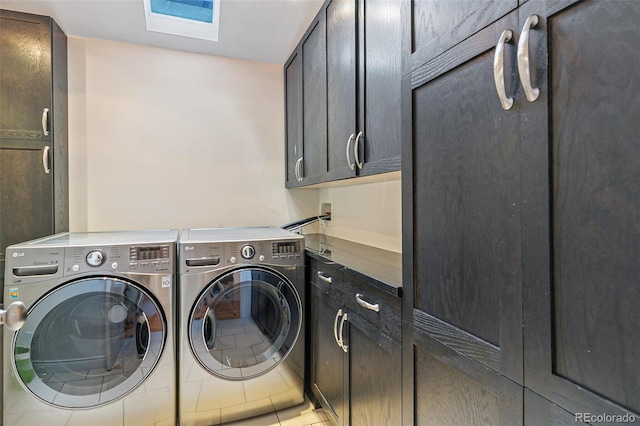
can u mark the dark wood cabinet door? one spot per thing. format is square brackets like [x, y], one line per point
[581, 214]
[293, 99]
[25, 75]
[465, 208]
[379, 86]
[328, 360]
[451, 389]
[375, 375]
[26, 194]
[538, 411]
[433, 26]
[314, 103]
[341, 87]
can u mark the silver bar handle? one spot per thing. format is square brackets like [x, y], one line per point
[323, 277]
[45, 160]
[365, 304]
[14, 316]
[335, 328]
[355, 150]
[530, 92]
[342, 345]
[498, 70]
[298, 172]
[351, 165]
[45, 121]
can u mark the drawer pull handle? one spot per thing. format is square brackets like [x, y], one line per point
[323, 278]
[365, 304]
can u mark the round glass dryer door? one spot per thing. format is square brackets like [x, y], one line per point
[245, 323]
[89, 342]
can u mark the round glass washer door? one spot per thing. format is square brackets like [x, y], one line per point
[89, 342]
[245, 323]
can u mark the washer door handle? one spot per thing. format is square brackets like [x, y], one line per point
[14, 316]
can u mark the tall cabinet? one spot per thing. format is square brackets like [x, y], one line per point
[33, 129]
[521, 211]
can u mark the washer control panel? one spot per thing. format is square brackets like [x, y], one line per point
[139, 258]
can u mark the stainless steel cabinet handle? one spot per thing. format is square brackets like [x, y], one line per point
[498, 70]
[342, 345]
[298, 171]
[14, 316]
[323, 277]
[45, 160]
[335, 328]
[355, 150]
[45, 121]
[366, 304]
[530, 92]
[351, 165]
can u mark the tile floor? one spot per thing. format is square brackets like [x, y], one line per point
[304, 414]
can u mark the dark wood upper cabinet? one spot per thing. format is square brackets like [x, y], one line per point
[25, 76]
[581, 205]
[379, 75]
[306, 108]
[351, 124]
[342, 92]
[293, 102]
[33, 129]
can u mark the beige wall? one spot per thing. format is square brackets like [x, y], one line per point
[369, 213]
[166, 139]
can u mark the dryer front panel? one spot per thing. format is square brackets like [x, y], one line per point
[89, 342]
[245, 323]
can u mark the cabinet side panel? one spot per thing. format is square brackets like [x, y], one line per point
[60, 129]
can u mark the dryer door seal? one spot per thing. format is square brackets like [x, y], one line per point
[245, 323]
[89, 342]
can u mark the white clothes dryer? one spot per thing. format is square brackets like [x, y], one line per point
[97, 346]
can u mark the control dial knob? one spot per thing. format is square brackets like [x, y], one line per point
[96, 258]
[247, 251]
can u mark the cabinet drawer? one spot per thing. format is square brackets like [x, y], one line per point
[373, 305]
[328, 277]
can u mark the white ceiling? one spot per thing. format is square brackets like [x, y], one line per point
[260, 30]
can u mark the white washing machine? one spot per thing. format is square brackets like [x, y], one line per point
[97, 346]
[241, 331]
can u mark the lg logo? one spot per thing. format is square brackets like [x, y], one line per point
[18, 254]
[188, 248]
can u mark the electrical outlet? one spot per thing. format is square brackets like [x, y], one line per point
[325, 209]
